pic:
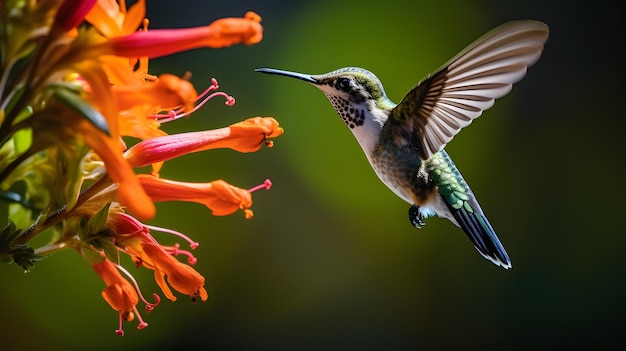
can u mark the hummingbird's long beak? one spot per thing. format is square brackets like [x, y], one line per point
[301, 76]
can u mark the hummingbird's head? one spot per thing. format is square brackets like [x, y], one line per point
[358, 97]
[355, 93]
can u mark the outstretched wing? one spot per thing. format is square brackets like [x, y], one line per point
[433, 112]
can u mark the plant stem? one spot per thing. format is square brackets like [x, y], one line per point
[63, 212]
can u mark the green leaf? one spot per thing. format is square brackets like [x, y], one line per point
[98, 221]
[73, 100]
[16, 194]
[95, 232]
[91, 255]
[9, 196]
[22, 255]
[9, 234]
[110, 250]
[22, 139]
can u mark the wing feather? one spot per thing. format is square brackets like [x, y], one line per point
[433, 112]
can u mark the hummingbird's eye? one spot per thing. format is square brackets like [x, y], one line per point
[343, 84]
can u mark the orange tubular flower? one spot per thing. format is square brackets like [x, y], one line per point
[136, 240]
[119, 294]
[246, 136]
[167, 92]
[148, 253]
[154, 43]
[180, 276]
[219, 196]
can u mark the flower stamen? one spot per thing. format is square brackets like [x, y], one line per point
[192, 244]
[175, 251]
[149, 306]
[203, 98]
[267, 184]
[119, 331]
[142, 324]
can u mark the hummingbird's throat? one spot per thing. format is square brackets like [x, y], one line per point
[353, 115]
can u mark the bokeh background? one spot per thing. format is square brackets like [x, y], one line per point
[330, 261]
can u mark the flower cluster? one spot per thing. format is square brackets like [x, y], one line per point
[74, 82]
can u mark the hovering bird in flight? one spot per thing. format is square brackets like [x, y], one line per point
[404, 142]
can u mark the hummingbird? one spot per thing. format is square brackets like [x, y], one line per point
[404, 143]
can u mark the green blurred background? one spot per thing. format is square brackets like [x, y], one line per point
[330, 260]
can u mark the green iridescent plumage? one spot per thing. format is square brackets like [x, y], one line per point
[448, 180]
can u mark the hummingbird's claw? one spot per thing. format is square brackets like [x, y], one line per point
[416, 217]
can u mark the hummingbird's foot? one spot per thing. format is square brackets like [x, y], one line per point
[416, 217]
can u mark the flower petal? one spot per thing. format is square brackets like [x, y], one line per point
[159, 278]
[180, 276]
[167, 92]
[111, 20]
[119, 293]
[129, 193]
[104, 16]
[251, 134]
[219, 196]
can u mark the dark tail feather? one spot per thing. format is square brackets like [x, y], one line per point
[481, 233]
[462, 203]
